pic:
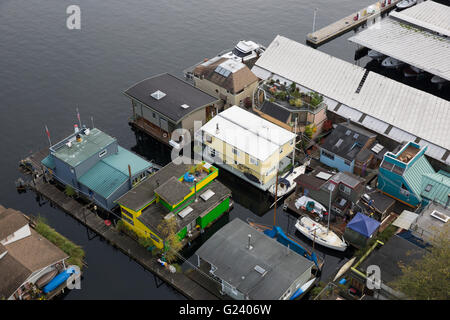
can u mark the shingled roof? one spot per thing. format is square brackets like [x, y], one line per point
[10, 221]
[237, 80]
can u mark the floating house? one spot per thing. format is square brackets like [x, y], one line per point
[95, 166]
[360, 229]
[185, 192]
[164, 103]
[377, 204]
[25, 256]
[248, 146]
[251, 265]
[385, 106]
[289, 108]
[347, 149]
[388, 258]
[408, 177]
[226, 79]
[431, 221]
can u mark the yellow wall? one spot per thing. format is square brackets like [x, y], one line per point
[260, 170]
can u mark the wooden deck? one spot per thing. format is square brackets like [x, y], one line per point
[189, 286]
[150, 129]
[346, 24]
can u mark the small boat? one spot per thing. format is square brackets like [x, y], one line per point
[375, 55]
[59, 279]
[344, 268]
[245, 50]
[411, 71]
[391, 63]
[303, 289]
[406, 4]
[438, 81]
[312, 206]
[46, 278]
[286, 183]
[321, 235]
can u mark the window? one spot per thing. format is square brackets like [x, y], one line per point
[124, 217]
[345, 189]
[347, 163]
[153, 115]
[404, 191]
[328, 154]
[398, 170]
[387, 165]
[103, 153]
[235, 151]
[208, 138]
[254, 161]
[428, 188]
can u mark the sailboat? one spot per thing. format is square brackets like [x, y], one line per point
[286, 183]
[321, 235]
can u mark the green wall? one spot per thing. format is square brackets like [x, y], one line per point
[214, 213]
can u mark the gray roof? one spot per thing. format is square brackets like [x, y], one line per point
[381, 202]
[346, 133]
[275, 111]
[178, 92]
[347, 178]
[394, 252]
[227, 250]
[143, 193]
[173, 191]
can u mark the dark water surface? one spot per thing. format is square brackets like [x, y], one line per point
[46, 71]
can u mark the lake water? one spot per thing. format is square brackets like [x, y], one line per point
[47, 71]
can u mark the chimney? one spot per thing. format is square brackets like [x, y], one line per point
[129, 171]
[76, 129]
[249, 246]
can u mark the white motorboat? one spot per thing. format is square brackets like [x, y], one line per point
[375, 55]
[406, 4]
[311, 205]
[286, 183]
[390, 62]
[244, 51]
[320, 234]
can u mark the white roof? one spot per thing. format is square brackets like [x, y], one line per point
[246, 46]
[232, 65]
[429, 15]
[406, 43]
[405, 219]
[411, 110]
[248, 132]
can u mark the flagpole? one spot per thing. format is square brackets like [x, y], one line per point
[78, 116]
[92, 120]
[48, 135]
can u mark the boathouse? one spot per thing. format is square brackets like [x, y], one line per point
[247, 145]
[252, 266]
[164, 103]
[385, 106]
[185, 192]
[94, 165]
[25, 256]
[226, 79]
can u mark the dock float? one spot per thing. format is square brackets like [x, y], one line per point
[334, 30]
[183, 283]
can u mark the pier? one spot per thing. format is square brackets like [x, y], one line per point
[346, 24]
[181, 282]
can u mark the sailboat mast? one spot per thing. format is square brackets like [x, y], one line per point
[276, 196]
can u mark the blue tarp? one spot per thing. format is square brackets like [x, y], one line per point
[363, 224]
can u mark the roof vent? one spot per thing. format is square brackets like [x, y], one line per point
[158, 95]
[185, 106]
[217, 128]
[260, 270]
[355, 136]
[347, 133]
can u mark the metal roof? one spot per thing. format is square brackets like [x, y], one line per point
[438, 189]
[427, 14]
[103, 179]
[413, 174]
[409, 44]
[248, 132]
[228, 251]
[410, 110]
[405, 219]
[123, 158]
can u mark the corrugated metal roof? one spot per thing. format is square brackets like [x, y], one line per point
[411, 110]
[103, 179]
[123, 158]
[409, 44]
[413, 174]
[439, 189]
[427, 14]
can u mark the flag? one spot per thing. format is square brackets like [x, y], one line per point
[78, 116]
[48, 132]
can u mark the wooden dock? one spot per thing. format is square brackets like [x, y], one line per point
[348, 23]
[186, 285]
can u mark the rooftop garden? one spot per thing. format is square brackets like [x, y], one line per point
[291, 95]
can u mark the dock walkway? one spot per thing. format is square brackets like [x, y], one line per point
[186, 285]
[347, 24]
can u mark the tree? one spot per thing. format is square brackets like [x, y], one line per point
[429, 277]
[168, 229]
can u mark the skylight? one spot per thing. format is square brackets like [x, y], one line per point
[158, 95]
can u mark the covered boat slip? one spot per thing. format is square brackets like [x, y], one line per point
[409, 44]
[386, 106]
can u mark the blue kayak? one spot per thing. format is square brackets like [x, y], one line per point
[58, 280]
